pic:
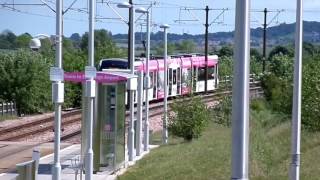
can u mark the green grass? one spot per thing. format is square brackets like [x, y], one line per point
[209, 157]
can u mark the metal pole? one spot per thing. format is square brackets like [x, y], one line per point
[132, 56]
[165, 103]
[90, 88]
[56, 169]
[264, 40]
[240, 98]
[146, 122]
[139, 113]
[206, 50]
[129, 38]
[296, 108]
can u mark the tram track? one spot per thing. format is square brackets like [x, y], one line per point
[33, 128]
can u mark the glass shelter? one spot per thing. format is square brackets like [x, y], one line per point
[109, 127]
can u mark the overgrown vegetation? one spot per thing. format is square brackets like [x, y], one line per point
[25, 74]
[188, 118]
[277, 81]
[209, 156]
[25, 80]
[222, 112]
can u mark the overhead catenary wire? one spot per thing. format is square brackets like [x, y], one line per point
[17, 6]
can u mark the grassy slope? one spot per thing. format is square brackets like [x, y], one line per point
[209, 156]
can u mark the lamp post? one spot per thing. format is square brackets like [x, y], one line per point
[56, 76]
[240, 94]
[132, 56]
[165, 103]
[90, 89]
[147, 81]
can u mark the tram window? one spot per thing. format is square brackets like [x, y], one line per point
[170, 76]
[211, 73]
[189, 76]
[201, 74]
[174, 76]
[160, 80]
[151, 79]
[186, 76]
[179, 74]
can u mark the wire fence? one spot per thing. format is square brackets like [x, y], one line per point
[8, 108]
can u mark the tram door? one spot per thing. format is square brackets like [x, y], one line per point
[172, 81]
[179, 81]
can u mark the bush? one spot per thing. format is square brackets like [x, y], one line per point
[25, 80]
[222, 112]
[258, 105]
[310, 96]
[188, 118]
[278, 91]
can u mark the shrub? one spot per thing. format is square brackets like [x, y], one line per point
[25, 80]
[278, 91]
[188, 118]
[222, 112]
[258, 105]
[310, 96]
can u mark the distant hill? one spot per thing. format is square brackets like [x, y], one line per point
[280, 34]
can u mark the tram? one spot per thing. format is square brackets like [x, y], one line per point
[186, 73]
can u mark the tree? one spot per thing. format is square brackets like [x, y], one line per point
[23, 40]
[255, 61]
[24, 79]
[281, 66]
[189, 118]
[281, 50]
[226, 51]
[104, 46]
[7, 40]
[225, 66]
[171, 49]
[186, 46]
[310, 95]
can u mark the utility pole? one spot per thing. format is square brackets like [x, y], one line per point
[264, 40]
[165, 101]
[240, 93]
[206, 50]
[90, 89]
[296, 105]
[57, 91]
[129, 39]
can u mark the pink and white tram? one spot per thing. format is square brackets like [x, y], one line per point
[185, 74]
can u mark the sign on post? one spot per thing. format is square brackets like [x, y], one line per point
[56, 74]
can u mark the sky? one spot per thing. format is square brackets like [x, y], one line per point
[41, 20]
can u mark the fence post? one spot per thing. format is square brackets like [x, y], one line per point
[11, 107]
[26, 170]
[15, 109]
[36, 157]
[7, 108]
[2, 108]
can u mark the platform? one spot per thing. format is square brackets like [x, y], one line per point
[12, 153]
[69, 156]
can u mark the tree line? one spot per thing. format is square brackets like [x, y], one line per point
[24, 74]
[277, 81]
